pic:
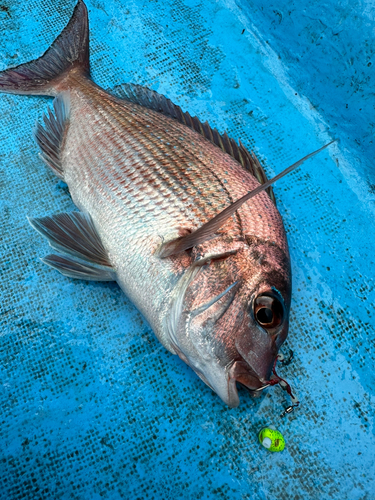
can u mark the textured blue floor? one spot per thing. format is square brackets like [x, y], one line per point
[92, 406]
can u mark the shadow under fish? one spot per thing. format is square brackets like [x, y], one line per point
[175, 212]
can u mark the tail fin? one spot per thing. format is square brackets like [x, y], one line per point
[69, 51]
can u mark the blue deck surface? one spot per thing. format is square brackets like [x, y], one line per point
[91, 405]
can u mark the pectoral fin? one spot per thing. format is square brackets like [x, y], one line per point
[209, 229]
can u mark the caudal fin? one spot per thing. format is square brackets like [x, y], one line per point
[70, 51]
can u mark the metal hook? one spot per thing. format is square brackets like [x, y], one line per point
[261, 388]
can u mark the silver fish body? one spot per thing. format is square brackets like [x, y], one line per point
[144, 179]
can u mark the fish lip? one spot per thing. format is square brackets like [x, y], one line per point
[254, 393]
[241, 372]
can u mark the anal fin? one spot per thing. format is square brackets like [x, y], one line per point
[74, 234]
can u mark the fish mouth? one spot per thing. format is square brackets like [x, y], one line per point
[224, 381]
[241, 373]
[254, 393]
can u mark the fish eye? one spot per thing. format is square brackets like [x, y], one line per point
[268, 311]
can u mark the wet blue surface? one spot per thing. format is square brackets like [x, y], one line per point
[92, 406]
[327, 49]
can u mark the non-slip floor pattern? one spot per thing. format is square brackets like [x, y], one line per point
[92, 406]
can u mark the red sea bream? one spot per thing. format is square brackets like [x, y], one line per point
[151, 184]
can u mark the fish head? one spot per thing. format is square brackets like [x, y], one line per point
[231, 315]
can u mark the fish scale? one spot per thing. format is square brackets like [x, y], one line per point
[163, 213]
[165, 173]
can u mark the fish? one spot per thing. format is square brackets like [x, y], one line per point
[173, 211]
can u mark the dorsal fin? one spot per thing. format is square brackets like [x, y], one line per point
[51, 138]
[157, 102]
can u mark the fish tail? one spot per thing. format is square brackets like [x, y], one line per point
[49, 74]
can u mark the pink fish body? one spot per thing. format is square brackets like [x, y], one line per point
[146, 177]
